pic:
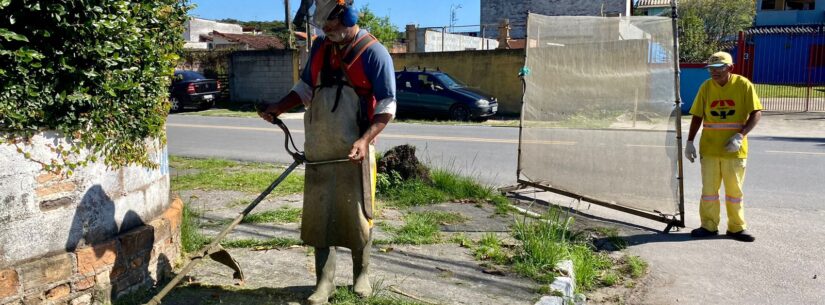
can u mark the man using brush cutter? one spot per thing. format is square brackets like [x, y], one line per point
[348, 88]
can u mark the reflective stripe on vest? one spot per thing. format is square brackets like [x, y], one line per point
[724, 126]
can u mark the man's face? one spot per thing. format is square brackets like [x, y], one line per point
[335, 31]
[720, 73]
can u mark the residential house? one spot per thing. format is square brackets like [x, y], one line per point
[493, 12]
[787, 43]
[220, 41]
[652, 7]
[195, 29]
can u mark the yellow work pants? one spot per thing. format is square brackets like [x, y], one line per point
[715, 171]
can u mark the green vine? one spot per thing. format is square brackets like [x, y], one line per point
[95, 71]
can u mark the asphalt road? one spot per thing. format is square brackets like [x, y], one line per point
[785, 171]
[784, 206]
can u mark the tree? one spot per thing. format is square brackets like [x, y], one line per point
[380, 27]
[704, 25]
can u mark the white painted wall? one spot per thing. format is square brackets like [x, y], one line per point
[103, 203]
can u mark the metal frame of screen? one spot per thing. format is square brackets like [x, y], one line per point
[677, 220]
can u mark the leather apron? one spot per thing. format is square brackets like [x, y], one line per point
[336, 211]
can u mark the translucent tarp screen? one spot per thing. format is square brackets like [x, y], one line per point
[599, 108]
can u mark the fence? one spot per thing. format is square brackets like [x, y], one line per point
[787, 65]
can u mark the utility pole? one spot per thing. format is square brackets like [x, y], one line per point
[288, 21]
[453, 18]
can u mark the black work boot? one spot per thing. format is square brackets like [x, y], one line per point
[325, 276]
[741, 236]
[702, 233]
[360, 271]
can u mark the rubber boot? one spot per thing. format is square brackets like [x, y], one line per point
[325, 276]
[360, 271]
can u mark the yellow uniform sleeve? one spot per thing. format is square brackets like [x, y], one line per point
[752, 99]
[698, 107]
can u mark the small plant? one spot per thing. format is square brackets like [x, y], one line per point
[489, 248]
[283, 215]
[462, 240]
[636, 267]
[191, 238]
[588, 265]
[610, 279]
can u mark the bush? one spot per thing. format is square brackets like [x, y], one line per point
[97, 71]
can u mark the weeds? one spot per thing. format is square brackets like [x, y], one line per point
[418, 229]
[282, 215]
[446, 186]
[490, 248]
[257, 244]
[190, 237]
[345, 296]
[636, 267]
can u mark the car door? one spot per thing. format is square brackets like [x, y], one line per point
[432, 96]
[407, 93]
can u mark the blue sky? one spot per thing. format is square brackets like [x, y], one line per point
[421, 12]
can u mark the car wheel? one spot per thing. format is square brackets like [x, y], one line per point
[459, 113]
[174, 104]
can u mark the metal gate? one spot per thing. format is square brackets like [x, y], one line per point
[787, 65]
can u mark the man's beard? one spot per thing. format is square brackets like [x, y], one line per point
[337, 36]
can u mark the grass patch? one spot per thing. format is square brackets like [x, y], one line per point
[490, 248]
[420, 228]
[190, 237]
[258, 244]
[446, 186]
[636, 267]
[770, 91]
[228, 175]
[462, 240]
[282, 215]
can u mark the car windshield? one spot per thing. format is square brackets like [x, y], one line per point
[449, 82]
[191, 75]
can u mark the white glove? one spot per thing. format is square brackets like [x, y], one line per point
[690, 151]
[735, 143]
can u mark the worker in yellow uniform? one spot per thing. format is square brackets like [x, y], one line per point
[727, 108]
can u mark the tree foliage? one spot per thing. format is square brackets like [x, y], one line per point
[97, 71]
[380, 27]
[705, 25]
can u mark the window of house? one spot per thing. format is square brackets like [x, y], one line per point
[770, 5]
[804, 5]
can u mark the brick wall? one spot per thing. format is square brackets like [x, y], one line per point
[98, 273]
[261, 75]
[493, 11]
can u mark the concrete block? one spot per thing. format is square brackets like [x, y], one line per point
[43, 272]
[85, 299]
[547, 300]
[565, 285]
[84, 283]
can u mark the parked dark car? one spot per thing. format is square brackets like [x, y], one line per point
[437, 93]
[191, 89]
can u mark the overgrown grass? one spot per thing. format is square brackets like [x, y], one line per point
[543, 244]
[190, 236]
[446, 186]
[279, 216]
[258, 244]
[221, 174]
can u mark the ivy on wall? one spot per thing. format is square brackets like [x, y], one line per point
[96, 71]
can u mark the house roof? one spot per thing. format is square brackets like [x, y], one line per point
[793, 29]
[652, 3]
[255, 42]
